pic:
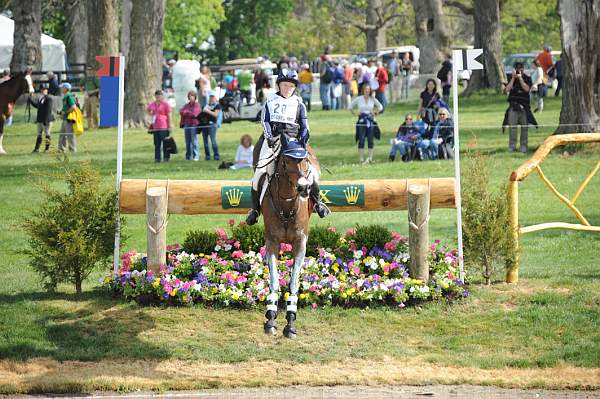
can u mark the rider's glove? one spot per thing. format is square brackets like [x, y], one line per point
[271, 142]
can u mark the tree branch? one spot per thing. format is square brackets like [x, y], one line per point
[462, 7]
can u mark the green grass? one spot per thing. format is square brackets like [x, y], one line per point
[549, 319]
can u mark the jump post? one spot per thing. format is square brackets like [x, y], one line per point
[157, 198]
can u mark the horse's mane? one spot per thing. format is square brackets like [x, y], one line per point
[12, 78]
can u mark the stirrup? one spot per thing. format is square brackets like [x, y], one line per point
[322, 209]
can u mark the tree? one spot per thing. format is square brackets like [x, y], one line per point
[201, 18]
[144, 74]
[432, 35]
[251, 28]
[488, 33]
[27, 45]
[125, 27]
[103, 29]
[580, 33]
[76, 31]
[528, 25]
[371, 17]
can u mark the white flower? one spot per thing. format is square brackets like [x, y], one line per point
[222, 288]
[358, 254]
[205, 270]
[228, 247]
[360, 282]
[259, 271]
[424, 289]
[217, 248]
[335, 285]
[305, 285]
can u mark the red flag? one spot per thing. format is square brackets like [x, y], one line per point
[110, 65]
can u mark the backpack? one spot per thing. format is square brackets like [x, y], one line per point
[329, 74]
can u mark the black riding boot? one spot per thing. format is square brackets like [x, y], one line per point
[290, 329]
[38, 142]
[315, 194]
[252, 217]
[47, 144]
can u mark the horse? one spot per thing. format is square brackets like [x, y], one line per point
[10, 91]
[286, 210]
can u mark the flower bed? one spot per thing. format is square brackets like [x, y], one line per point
[345, 275]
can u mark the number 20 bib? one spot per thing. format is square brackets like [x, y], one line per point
[283, 110]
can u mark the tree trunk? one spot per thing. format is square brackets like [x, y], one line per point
[76, 31]
[580, 33]
[27, 45]
[488, 36]
[144, 73]
[103, 29]
[432, 35]
[375, 32]
[126, 6]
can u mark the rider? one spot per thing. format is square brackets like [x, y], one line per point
[282, 113]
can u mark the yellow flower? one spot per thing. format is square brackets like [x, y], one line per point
[344, 296]
[287, 295]
[174, 292]
[302, 296]
[445, 285]
[156, 283]
[236, 296]
[335, 268]
[215, 290]
[343, 277]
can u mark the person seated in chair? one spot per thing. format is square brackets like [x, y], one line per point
[440, 136]
[405, 140]
[283, 114]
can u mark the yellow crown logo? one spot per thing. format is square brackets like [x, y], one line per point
[352, 194]
[234, 196]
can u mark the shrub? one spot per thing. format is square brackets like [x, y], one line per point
[199, 242]
[374, 235]
[322, 237]
[72, 232]
[487, 238]
[251, 238]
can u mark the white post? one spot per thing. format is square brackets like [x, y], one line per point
[119, 175]
[457, 166]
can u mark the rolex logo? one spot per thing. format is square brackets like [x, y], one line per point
[234, 196]
[352, 193]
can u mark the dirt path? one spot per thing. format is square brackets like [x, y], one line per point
[342, 392]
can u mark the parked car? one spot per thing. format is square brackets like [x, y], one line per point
[526, 59]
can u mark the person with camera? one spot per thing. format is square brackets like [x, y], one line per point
[519, 111]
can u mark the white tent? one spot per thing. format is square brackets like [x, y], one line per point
[53, 51]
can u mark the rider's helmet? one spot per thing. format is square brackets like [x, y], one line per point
[287, 75]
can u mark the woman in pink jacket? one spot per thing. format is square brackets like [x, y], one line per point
[161, 124]
[189, 121]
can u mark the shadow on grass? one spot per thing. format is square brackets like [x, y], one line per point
[86, 327]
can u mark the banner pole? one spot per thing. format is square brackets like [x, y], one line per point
[118, 178]
[457, 166]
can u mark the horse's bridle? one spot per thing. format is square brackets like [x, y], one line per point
[285, 219]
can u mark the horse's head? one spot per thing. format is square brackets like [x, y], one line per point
[23, 82]
[294, 162]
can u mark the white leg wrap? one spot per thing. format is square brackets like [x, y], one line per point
[272, 301]
[292, 303]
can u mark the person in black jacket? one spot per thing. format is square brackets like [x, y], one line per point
[519, 111]
[44, 116]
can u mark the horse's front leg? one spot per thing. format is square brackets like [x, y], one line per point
[272, 298]
[292, 302]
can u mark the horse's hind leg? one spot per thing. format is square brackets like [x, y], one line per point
[2, 118]
[272, 298]
[292, 302]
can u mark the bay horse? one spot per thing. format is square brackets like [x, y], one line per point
[286, 210]
[10, 91]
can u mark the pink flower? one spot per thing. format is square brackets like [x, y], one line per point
[322, 252]
[150, 273]
[289, 262]
[389, 246]
[386, 269]
[237, 254]
[236, 245]
[433, 247]
[350, 232]
[312, 288]
[222, 234]
[364, 250]
[396, 236]
[231, 222]
[282, 282]
[263, 251]
[284, 247]
[332, 229]
[241, 279]
[314, 305]
[356, 270]
[242, 222]
[203, 261]
[352, 246]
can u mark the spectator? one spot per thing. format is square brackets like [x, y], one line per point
[445, 77]
[293, 64]
[305, 87]
[203, 85]
[230, 82]
[336, 86]
[428, 102]
[406, 70]
[170, 98]
[90, 84]
[325, 81]
[558, 70]
[393, 70]
[5, 75]
[53, 88]
[538, 88]
[518, 112]
[161, 125]
[245, 79]
[406, 138]
[347, 85]
[243, 155]
[382, 79]
[45, 116]
[366, 127]
[441, 137]
[66, 130]
[208, 125]
[545, 59]
[189, 121]
[262, 82]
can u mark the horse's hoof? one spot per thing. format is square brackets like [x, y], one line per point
[272, 331]
[289, 333]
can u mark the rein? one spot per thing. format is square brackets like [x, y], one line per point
[285, 219]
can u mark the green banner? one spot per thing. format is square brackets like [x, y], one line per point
[331, 195]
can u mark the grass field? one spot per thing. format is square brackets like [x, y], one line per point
[542, 332]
